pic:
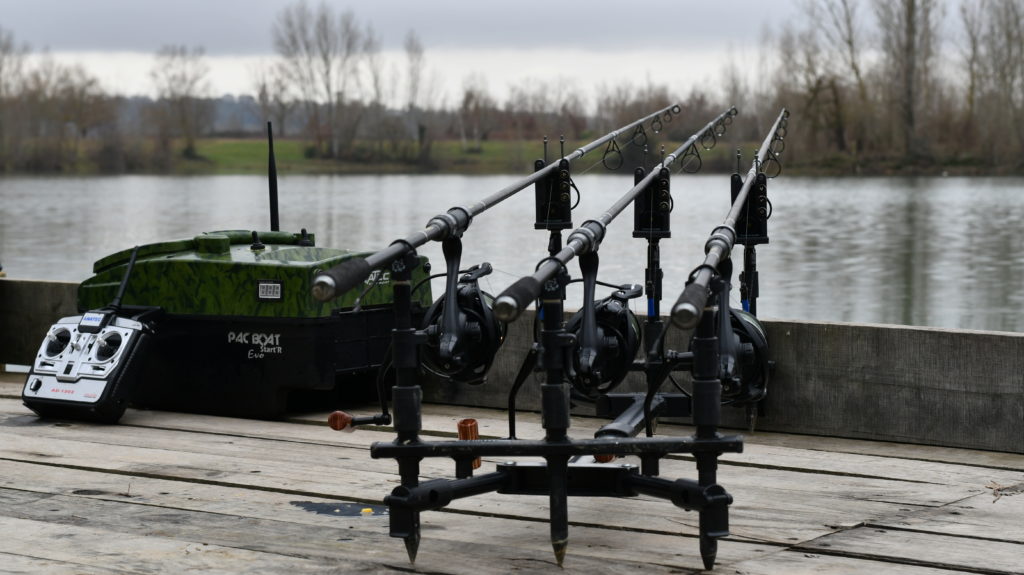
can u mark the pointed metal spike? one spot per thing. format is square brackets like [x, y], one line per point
[708, 551]
[560, 547]
[412, 546]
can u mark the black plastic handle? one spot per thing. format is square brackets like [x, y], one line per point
[688, 308]
[341, 278]
[516, 297]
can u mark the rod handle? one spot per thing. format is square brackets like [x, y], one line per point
[341, 278]
[688, 308]
[516, 297]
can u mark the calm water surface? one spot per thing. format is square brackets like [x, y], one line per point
[944, 252]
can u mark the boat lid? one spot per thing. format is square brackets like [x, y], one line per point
[233, 237]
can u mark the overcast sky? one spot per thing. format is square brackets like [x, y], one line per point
[678, 43]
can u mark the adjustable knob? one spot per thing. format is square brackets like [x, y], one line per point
[257, 245]
[340, 421]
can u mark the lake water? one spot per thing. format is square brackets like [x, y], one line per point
[944, 252]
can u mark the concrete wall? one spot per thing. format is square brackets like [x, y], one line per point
[27, 309]
[892, 383]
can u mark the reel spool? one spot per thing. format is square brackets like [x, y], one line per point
[750, 382]
[466, 355]
[618, 338]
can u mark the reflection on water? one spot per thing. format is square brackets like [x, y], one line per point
[943, 252]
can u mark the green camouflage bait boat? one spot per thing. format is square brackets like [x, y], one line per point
[230, 323]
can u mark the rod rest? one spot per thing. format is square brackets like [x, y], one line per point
[515, 478]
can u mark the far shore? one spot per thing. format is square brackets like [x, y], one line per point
[249, 156]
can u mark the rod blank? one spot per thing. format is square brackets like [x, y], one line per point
[688, 308]
[511, 302]
[337, 280]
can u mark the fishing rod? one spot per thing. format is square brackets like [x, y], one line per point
[459, 334]
[348, 274]
[687, 311]
[511, 303]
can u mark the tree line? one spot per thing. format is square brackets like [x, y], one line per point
[872, 85]
[885, 85]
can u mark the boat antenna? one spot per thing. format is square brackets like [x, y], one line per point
[272, 173]
[115, 305]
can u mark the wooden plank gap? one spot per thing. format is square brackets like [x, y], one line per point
[33, 564]
[243, 436]
[889, 527]
[196, 480]
[805, 548]
[921, 459]
[725, 461]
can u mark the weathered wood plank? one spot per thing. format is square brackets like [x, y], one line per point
[793, 562]
[886, 449]
[798, 453]
[440, 419]
[18, 564]
[134, 551]
[360, 484]
[234, 446]
[350, 544]
[200, 466]
[928, 549]
[311, 514]
[982, 516]
[494, 422]
[811, 505]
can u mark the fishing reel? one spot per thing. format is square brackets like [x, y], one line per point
[746, 381]
[462, 333]
[743, 354]
[607, 335]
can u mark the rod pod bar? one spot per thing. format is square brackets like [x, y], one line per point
[348, 274]
[688, 308]
[511, 302]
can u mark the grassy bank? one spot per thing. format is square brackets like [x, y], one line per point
[249, 156]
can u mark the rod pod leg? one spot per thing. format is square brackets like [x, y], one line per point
[407, 398]
[707, 399]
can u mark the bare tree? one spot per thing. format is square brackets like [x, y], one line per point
[294, 43]
[476, 112]
[971, 15]
[414, 65]
[321, 52]
[378, 88]
[60, 106]
[842, 33]
[12, 59]
[908, 32]
[272, 98]
[414, 56]
[1003, 52]
[179, 77]
[346, 115]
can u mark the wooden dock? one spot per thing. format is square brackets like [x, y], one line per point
[169, 493]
